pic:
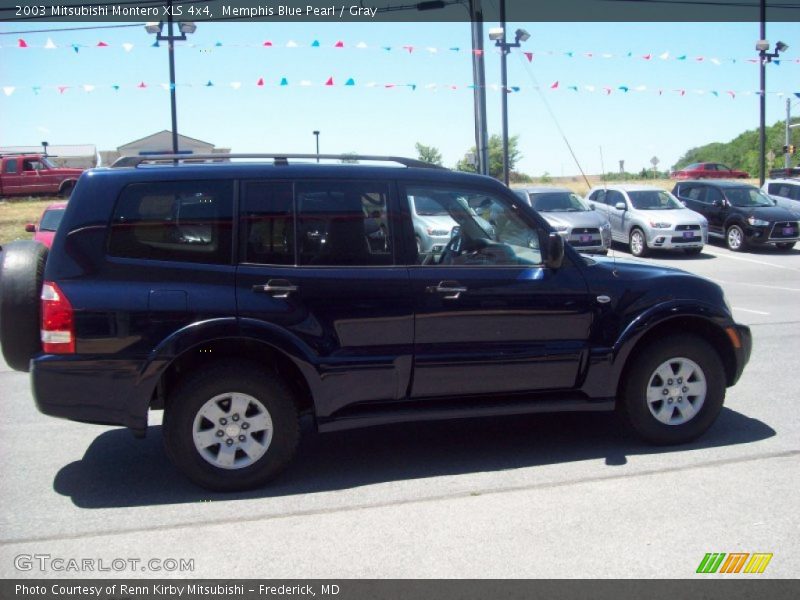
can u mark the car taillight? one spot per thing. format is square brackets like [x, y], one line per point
[58, 326]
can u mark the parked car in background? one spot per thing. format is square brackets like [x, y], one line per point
[647, 217]
[32, 174]
[708, 171]
[45, 229]
[785, 192]
[580, 225]
[433, 226]
[741, 214]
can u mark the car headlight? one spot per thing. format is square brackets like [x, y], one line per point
[757, 222]
[437, 232]
[660, 225]
[606, 225]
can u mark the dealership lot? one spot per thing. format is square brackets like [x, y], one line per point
[538, 496]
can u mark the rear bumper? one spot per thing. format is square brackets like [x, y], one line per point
[105, 392]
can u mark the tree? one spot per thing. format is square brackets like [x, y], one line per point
[496, 156]
[428, 154]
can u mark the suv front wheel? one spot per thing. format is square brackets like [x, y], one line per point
[734, 238]
[674, 390]
[231, 427]
[638, 242]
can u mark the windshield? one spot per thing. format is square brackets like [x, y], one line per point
[654, 200]
[745, 197]
[428, 207]
[47, 163]
[51, 219]
[557, 202]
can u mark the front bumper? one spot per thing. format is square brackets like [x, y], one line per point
[670, 239]
[743, 351]
[774, 233]
[591, 241]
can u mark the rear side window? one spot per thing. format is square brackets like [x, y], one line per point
[343, 223]
[11, 165]
[179, 221]
[267, 223]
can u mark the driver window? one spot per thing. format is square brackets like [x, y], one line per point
[459, 227]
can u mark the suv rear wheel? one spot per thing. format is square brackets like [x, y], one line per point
[231, 427]
[674, 390]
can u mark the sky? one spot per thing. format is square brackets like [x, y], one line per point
[705, 97]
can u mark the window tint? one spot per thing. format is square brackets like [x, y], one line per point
[557, 202]
[598, 196]
[712, 195]
[267, 223]
[51, 219]
[343, 223]
[653, 200]
[613, 196]
[181, 221]
[479, 229]
[11, 166]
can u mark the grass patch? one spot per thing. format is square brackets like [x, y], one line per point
[15, 215]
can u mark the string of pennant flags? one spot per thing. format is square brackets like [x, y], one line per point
[350, 82]
[409, 49]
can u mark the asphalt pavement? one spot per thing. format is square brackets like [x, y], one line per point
[545, 496]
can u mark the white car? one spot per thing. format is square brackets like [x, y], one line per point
[646, 217]
[785, 192]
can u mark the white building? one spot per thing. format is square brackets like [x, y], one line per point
[161, 143]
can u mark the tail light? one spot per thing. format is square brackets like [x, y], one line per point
[58, 324]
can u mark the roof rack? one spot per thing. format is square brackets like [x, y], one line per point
[278, 159]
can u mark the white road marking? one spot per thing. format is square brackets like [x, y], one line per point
[750, 260]
[759, 285]
[757, 312]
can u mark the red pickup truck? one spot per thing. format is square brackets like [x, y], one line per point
[29, 174]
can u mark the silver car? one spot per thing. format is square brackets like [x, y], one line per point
[581, 226]
[647, 217]
[433, 225]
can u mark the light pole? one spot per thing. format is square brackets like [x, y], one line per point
[185, 28]
[762, 45]
[316, 134]
[498, 35]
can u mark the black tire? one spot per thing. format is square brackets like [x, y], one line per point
[227, 377]
[65, 191]
[20, 306]
[734, 235]
[785, 246]
[644, 250]
[633, 403]
[693, 251]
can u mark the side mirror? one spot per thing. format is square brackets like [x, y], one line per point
[30, 228]
[455, 231]
[621, 206]
[717, 203]
[774, 202]
[555, 251]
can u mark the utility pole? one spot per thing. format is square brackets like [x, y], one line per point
[787, 157]
[479, 84]
[762, 107]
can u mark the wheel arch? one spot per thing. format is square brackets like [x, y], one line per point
[689, 324]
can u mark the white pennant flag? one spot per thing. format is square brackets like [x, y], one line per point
[127, 46]
[50, 45]
[236, 84]
[88, 88]
[361, 45]
[664, 56]
[8, 90]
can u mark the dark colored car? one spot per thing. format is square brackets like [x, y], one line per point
[239, 297]
[45, 229]
[708, 171]
[740, 214]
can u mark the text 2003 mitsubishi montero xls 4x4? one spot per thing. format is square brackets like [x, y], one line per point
[238, 296]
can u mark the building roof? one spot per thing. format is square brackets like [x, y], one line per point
[181, 137]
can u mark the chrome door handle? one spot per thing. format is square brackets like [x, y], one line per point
[277, 288]
[453, 289]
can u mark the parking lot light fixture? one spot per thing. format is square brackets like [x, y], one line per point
[185, 27]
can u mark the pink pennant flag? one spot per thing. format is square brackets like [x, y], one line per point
[409, 48]
[554, 85]
[22, 43]
[588, 54]
[102, 44]
[529, 56]
[732, 94]
[329, 82]
[607, 90]
[339, 44]
[62, 88]
[478, 52]
[681, 92]
[700, 58]
[142, 85]
[389, 85]
[260, 82]
[267, 44]
[647, 56]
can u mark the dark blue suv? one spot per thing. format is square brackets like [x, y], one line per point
[240, 296]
